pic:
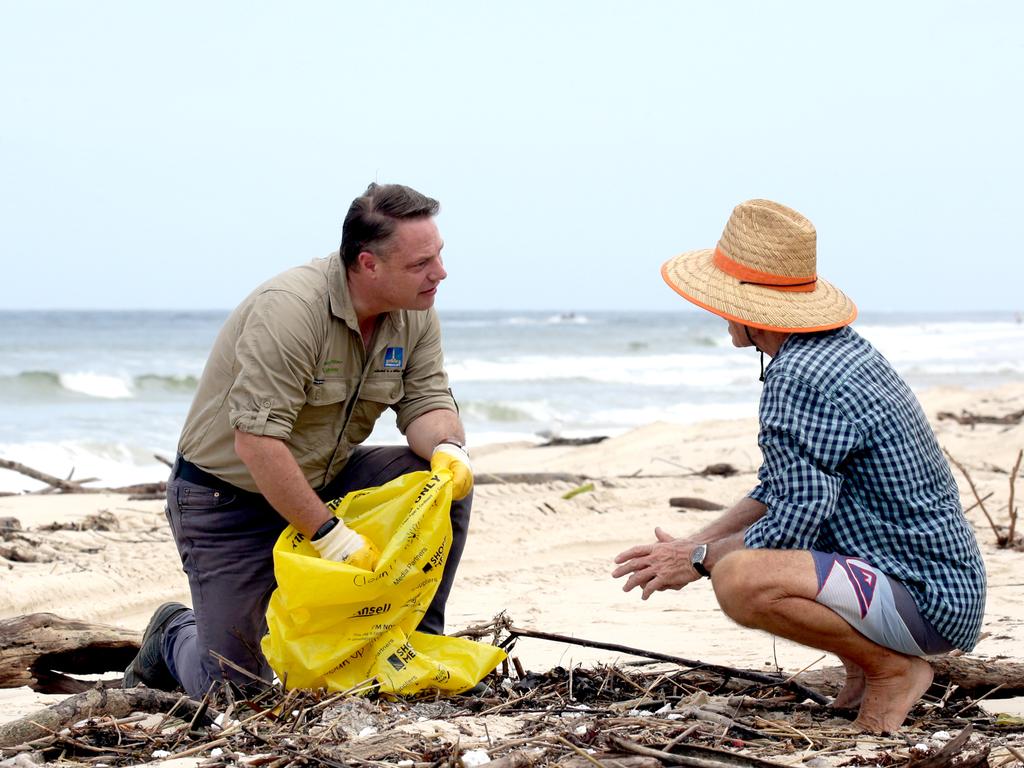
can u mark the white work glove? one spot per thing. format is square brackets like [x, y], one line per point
[343, 545]
[454, 458]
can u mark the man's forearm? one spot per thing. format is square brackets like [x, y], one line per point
[734, 520]
[281, 481]
[431, 428]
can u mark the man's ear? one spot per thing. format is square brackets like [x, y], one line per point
[368, 262]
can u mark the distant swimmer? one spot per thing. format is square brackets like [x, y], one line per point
[853, 540]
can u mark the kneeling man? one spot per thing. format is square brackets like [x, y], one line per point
[854, 540]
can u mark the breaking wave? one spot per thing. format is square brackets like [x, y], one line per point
[42, 385]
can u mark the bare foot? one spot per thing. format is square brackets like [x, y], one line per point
[852, 692]
[890, 695]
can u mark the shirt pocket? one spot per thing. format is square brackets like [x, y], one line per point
[327, 392]
[318, 425]
[376, 394]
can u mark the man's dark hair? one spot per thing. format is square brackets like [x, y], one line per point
[372, 217]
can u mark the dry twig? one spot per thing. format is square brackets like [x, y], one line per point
[966, 474]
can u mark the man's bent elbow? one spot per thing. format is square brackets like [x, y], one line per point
[248, 445]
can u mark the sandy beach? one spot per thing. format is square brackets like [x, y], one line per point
[543, 559]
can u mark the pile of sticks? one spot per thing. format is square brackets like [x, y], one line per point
[650, 713]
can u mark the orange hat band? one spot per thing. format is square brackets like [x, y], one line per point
[750, 276]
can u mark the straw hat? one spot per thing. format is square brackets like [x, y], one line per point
[763, 273]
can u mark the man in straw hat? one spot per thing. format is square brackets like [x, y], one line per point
[854, 540]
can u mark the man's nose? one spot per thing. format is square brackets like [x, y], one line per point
[439, 272]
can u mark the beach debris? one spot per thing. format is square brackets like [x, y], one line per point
[104, 520]
[666, 713]
[1005, 537]
[688, 502]
[572, 441]
[608, 715]
[109, 703]
[954, 753]
[9, 525]
[726, 672]
[721, 469]
[718, 469]
[24, 553]
[974, 678]
[527, 478]
[585, 488]
[60, 485]
[971, 419]
[39, 650]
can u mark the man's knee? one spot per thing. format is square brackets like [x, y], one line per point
[737, 585]
[749, 583]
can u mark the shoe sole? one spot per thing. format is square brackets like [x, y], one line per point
[163, 614]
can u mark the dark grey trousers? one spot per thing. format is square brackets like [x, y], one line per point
[226, 538]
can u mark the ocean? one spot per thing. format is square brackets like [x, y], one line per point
[97, 394]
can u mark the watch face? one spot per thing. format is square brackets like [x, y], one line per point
[697, 560]
[698, 553]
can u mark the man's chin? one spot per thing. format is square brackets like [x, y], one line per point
[425, 300]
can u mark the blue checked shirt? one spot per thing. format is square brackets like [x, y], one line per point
[851, 466]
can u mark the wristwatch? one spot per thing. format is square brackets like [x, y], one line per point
[326, 528]
[697, 560]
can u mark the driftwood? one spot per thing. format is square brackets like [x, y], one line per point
[726, 672]
[686, 502]
[695, 756]
[1003, 540]
[974, 677]
[606, 759]
[955, 748]
[527, 478]
[572, 717]
[37, 649]
[25, 553]
[1011, 509]
[535, 478]
[723, 469]
[60, 485]
[67, 486]
[573, 441]
[93, 703]
[968, 418]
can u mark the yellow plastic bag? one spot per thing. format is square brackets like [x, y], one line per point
[336, 626]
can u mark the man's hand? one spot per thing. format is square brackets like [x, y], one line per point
[454, 459]
[343, 545]
[665, 564]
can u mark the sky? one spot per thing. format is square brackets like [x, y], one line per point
[173, 155]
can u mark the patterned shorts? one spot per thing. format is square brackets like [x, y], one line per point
[876, 605]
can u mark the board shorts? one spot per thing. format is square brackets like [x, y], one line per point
[876, 605]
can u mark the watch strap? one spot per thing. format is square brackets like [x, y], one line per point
[326, 528]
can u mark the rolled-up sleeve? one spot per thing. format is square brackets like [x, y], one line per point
[804, 438]
[425, 383]
[276, 352]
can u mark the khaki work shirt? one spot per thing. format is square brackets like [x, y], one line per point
[289, 363]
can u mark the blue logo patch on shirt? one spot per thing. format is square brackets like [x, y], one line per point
[393, 357]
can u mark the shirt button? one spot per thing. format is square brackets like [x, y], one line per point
[266, 403]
